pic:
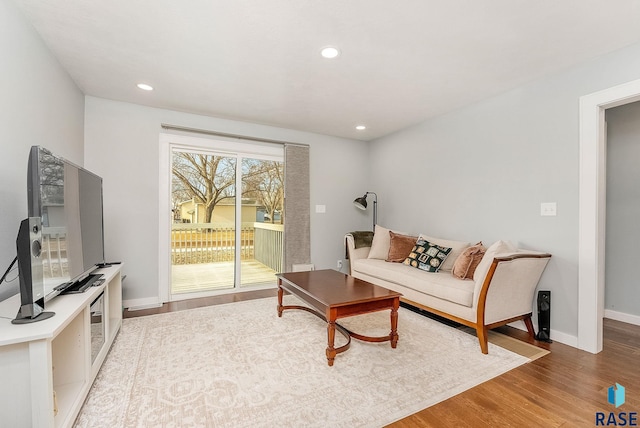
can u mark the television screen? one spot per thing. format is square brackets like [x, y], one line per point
[68, 199]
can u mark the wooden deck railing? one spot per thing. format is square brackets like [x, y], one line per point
[193, 243]
[268, 245]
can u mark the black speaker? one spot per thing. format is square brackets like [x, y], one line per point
[29, 246]
[544, 316]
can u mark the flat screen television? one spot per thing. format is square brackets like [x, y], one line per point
[68, 200]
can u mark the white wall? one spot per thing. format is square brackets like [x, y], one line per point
[481, 172]
[622, 293]
[39, 105]
[122, 147]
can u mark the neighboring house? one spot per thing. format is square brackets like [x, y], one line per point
[194, 212]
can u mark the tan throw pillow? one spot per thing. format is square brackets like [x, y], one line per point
[400, 247]
[467, 262]
[381, 243]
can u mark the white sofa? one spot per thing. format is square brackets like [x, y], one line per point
[501, 291]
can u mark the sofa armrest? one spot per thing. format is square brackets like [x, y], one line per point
[354, 253]
[509, 286]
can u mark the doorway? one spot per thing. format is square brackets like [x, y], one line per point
[622, 213]
[592, 209]
[225, 225]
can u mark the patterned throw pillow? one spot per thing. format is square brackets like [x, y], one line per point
[427, 256]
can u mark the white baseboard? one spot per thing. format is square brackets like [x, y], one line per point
[138, 304]
[556, 336]
[302, 267]
[620, 316]
[567, 339]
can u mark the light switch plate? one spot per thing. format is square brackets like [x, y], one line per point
[321, 209]
[548, 209]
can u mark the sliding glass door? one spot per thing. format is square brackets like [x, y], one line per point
[262, 214]
[203, 190]
[226, 221]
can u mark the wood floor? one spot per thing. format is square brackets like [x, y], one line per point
[563, 389]
[198, 277]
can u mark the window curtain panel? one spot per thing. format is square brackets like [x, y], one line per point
[297, 235]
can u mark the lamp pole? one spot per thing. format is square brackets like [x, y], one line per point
[375, 210]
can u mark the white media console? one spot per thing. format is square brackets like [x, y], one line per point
[48, 367]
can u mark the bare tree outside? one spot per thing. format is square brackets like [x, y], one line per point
[266, 186]
[211, 179]
[205, 178]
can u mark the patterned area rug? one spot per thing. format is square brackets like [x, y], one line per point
[239, 365]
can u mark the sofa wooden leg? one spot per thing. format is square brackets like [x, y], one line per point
[529, 324]
[481, 332]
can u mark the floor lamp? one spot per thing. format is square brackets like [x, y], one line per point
[361, 203]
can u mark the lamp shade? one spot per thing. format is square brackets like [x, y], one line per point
[361, 202]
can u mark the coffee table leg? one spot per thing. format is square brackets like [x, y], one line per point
[280, 293]
[331, 336]
[394, 323]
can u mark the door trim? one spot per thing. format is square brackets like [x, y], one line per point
[592, 209]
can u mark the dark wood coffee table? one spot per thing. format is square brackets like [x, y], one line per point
[334, 295]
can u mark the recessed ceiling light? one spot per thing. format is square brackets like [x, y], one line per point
[330, 52]
[361, 127]
[145, 87]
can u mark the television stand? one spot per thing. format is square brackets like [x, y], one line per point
[47, 368]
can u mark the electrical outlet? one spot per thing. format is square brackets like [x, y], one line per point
[339, 264]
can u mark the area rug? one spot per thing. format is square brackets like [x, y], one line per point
[512, 344]
[239, 365]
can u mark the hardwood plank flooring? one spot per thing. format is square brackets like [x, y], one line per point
[562, 389]
[203, 301]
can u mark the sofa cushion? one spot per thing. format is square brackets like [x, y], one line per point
[400, 247]
[441, 284]
[456, 249]
[497, 247]
[427, 256]
[467, 262]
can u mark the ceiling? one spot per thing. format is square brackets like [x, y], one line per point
[259, 60]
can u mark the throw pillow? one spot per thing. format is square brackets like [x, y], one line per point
[498, 247]
[467, 262]
[456, 249]
[400, 246]
[427, 256]
[381, 243]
